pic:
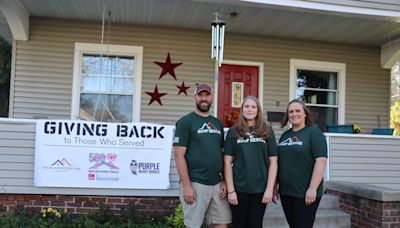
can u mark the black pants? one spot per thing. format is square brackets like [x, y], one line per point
[297, 214]
[249, 212]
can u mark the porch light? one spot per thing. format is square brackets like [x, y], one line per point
[217, 39]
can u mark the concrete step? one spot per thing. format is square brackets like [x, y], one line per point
[323, 219]
[327, 202]
[329, 215]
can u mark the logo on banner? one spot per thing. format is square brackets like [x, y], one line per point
[133, 167]
[144, 167]
[103, 167]
[91, 176]
[61, 165]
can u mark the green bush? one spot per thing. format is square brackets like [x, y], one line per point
[176, 220]
[60, 218]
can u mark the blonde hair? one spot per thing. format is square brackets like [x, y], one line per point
[261, 128]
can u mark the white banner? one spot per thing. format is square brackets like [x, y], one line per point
[102, 155]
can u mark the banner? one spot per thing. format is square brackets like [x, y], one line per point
[102, 155]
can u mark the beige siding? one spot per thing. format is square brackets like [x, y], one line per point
[368, 160]
[17, 155]
[44, 66]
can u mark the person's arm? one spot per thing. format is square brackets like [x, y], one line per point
[316, 178]
[272, 172]
[188, 193]
[232, 197]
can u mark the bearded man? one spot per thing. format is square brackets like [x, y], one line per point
[198, 142]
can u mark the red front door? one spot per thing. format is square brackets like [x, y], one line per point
[235, 83]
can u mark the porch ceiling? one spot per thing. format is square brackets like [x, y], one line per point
[251, 18]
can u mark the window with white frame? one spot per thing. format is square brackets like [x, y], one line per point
[107, 82]
[321, 85]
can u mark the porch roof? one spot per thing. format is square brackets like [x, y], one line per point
[369, 23]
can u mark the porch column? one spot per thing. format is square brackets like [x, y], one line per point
[17, 18]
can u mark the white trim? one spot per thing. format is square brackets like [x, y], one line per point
[347, 135]
[340, 68]
[12, 80]
[136, 51]
[260, 66]
[327, 172]
[331, 7]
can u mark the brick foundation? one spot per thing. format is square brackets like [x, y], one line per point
[147, 206]
[368, 213]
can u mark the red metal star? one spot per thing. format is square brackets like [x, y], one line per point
[183, 88]
[155, 96]
[167, 67]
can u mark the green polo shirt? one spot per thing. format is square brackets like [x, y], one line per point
[297, 151]
[250, 164]
[203, 138]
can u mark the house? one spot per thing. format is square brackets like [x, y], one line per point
[138, 60]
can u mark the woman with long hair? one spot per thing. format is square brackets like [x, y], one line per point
[302, 153]
[250, 165]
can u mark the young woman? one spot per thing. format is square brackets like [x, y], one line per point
[250, 165]
[302, 155]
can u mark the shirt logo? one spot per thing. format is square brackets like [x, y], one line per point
[249, 139]
[208, 128]
[291, 141]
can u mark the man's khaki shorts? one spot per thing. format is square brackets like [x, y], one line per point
[207, 204]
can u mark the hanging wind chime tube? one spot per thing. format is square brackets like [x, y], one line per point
[217, 39]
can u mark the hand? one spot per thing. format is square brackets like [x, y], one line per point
[232, 198]
[267, 197]
[311, 196]
[223, 190]
[275, 197]
[189, 195]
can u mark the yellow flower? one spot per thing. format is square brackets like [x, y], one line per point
[44, 215]
[49, 209]
[44, 210]
[58, 214]
[65, 211]
[356, 128]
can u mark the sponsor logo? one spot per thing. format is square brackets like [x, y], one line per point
[144, 167]
[133, 167]
[103, 167]
[99, 160]
[61, 165]
[63, 162]
[208, 128]
[91, 176]
[291, 141]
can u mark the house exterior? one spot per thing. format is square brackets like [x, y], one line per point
[337, 56]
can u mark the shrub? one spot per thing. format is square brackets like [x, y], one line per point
[177, 219]
[60, 218]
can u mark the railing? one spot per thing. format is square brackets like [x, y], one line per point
[360, 158]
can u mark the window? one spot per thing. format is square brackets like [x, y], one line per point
[321, 85]
[107, 82]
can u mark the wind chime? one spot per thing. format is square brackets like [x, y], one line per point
[217, 39]
[103, 58]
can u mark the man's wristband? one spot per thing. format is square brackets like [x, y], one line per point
[231, 192]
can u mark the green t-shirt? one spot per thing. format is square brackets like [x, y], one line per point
[250, 164]
[297, 152]
[203, 138]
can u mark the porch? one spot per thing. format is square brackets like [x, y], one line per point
[358, 158]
